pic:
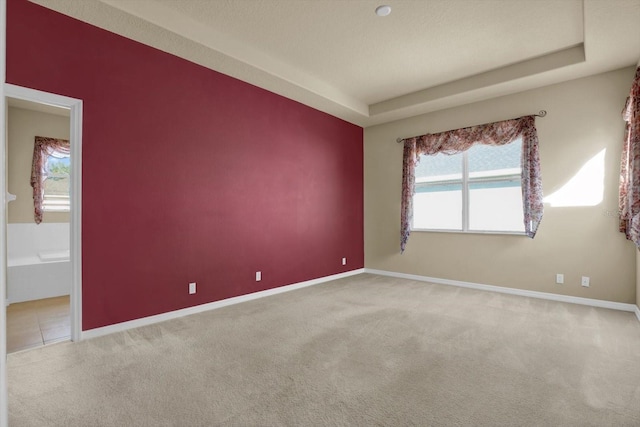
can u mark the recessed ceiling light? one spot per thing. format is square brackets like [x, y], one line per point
[383, 10]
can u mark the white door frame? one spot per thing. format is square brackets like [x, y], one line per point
[4, 407]
[75, 140]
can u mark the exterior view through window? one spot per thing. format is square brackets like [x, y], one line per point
[56, 183]
[476, 190]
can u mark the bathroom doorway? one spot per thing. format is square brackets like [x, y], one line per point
[43, 256]
[38, 241]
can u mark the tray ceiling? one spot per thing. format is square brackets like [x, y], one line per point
[338, 56]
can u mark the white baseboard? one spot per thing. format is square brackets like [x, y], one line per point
[638, 312]
[522, 292]
[118, 327]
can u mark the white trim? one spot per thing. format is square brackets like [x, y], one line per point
[4, 406]
[465, 191]
[34, 95]
[119, 327]
[502, 233]
[637, 310]
[521, 292]
[76, 219]
[75, 139]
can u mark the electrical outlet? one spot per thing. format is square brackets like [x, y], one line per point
[585, 281]
[344, 261]
[192, 288]
[559, 278]
[258, 276]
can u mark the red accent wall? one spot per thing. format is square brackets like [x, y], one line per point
[190, 175]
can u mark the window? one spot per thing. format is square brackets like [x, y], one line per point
[50, 176]
[56, 182]
[476, 190]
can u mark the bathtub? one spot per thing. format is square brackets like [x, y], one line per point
[38, 262]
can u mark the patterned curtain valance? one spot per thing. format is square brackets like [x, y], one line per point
[43, 148]
[629, 202]
[459, 140]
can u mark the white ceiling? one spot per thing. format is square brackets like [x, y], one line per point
[339, 57]
[36, 106]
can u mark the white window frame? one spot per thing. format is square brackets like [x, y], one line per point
[502, 175]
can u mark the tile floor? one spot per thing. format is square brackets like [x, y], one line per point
[35, 323]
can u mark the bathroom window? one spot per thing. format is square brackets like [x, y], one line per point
[50, 176]
[56, 182]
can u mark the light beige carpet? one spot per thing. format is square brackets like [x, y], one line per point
[362, 351]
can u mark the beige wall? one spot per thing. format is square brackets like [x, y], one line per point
[23, 127]
[583, 119]
[638, 278]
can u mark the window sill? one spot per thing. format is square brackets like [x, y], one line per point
[499, 233]
[57, 210]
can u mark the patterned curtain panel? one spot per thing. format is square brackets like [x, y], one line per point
[629, 204]
[459, 140]
[43, 148]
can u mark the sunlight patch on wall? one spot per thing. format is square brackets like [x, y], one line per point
[586, 188]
